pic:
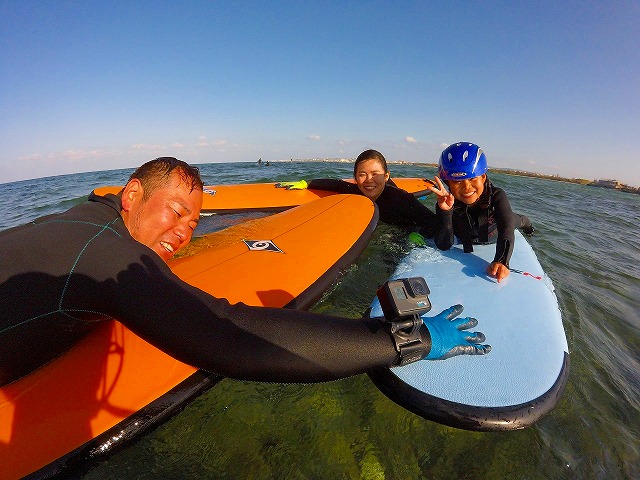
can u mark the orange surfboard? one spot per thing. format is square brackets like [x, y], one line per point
[113, 385]
[266, 197]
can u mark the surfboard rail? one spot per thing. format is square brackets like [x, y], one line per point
[471, 417]
[265, 197]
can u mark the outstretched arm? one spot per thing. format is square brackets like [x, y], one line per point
[256, 343]
[328, 184]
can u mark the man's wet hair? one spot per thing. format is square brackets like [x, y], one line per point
[156, 172]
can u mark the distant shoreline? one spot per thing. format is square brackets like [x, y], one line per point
[610, 184]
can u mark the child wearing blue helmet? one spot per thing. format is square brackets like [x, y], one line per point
[478, 211]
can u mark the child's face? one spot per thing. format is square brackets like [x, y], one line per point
[467, 191]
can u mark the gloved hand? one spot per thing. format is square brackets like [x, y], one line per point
[299, 185]
[448, 338]
[417, 239]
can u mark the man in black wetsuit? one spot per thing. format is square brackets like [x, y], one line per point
[106, 259]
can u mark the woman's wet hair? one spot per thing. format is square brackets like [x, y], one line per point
[370, 155]
[156, 172]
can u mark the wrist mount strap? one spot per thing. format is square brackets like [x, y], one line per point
[407, 339]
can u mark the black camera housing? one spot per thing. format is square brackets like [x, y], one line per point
[404, 297]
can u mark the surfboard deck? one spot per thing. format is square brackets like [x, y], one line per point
[266, 197]
[112, 386]
[523, 376]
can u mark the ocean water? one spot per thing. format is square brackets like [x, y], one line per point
[587, 240]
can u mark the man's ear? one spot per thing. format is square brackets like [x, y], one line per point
[131, 193]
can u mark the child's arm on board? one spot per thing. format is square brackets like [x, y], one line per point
[499, 268]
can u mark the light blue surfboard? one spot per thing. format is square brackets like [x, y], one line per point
[523, 376]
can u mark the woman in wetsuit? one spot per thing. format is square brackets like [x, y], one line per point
[395, 206]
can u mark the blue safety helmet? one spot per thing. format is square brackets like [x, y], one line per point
[460, 161]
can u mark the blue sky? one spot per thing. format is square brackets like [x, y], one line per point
[551, 87]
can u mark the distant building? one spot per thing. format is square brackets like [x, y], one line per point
[608, 184]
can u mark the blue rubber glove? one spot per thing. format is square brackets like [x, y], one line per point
[299, 185]
[448, 337]
[417, 239]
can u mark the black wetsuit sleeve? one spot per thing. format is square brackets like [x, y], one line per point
[505, 225]
[444, 236]
[98, 272]
[242, 342]
[338, 186]
[399, 207]
[333, 185]
[395, 206]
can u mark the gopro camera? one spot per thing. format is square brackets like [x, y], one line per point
[404, 297]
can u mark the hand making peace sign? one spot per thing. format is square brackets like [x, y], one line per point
[445, 198]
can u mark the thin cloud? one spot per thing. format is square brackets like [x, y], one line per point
[314, 137]
[68, 155]
[148, 147]
[410, 140]
[204, 141]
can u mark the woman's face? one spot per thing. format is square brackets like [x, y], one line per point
[371, 178]
[467, 191]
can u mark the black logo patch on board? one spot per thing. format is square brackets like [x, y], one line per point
[266, 245]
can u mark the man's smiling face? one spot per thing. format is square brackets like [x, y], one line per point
[164, 221]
